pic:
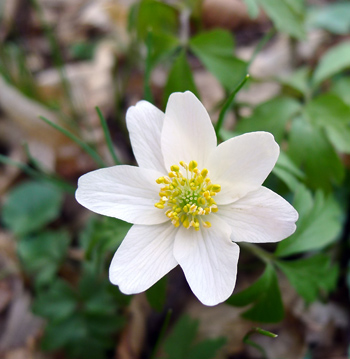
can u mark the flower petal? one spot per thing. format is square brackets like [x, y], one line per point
[125, 192]
[241, 164]
[145, 122]
[188, 133]
[261, 216]
[209, 260]
[145, 256]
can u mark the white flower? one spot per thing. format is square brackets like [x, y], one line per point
[192, 215]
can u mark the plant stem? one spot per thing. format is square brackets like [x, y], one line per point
[259, 252]
[228, 104]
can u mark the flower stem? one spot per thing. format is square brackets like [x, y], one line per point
[259, 252]
[228, 104]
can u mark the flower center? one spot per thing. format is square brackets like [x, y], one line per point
[189, 197]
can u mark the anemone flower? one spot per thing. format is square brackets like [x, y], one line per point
[189, 200]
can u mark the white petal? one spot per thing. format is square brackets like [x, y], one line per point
[125, 192]
[145, 256]
[209, 260]
[145, 122]
[261, 216]
[241, 164]
[188, 133]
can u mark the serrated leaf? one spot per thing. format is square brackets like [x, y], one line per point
[180, 78]
[271, 116]
[215, 50]
[318, 225]
[42, 254]
[310, 275]
[310, 150]
[335, 60]
[331, 113]
[265, 296]
[30, 206]
[287, 16]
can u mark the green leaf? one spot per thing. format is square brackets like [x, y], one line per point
[265, 297]
[335, 60]
[179, 344]
[42, 254]
[341, 88]
[163, 46]
[253, 8]
[333, 115]
[180, 78]
[271, 116]
[215, 49]
[310, 150]
[102, 234]
[332, 17]
[155, 16]
[31, 206]
[319, 224]
[56, 303]
[287, 16]
[298, 81]
[310, 275]
[288, 172]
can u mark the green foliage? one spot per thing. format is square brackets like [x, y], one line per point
[311, 275]
[319, 223]
[163, 46]
[333, 115]
[335, 60]
[298, 81]
[253, 8]
[334, 17]
[155, 16]
[288, 172]
[215, 50]
[287, 16]
[309, 148]
[42, 254]
[341, 88]
[80, 320]
[180, 77]
[101, 235]
[30, 206]
[271, 116]
[180, 343]
[265, 297]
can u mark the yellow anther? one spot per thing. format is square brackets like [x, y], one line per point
[188, 197]
[216, 188]
[175, 168]
[204, 172]
[192, 165]
[206, 224]
[186, 223]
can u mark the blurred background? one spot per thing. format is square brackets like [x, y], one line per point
[69, 69]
